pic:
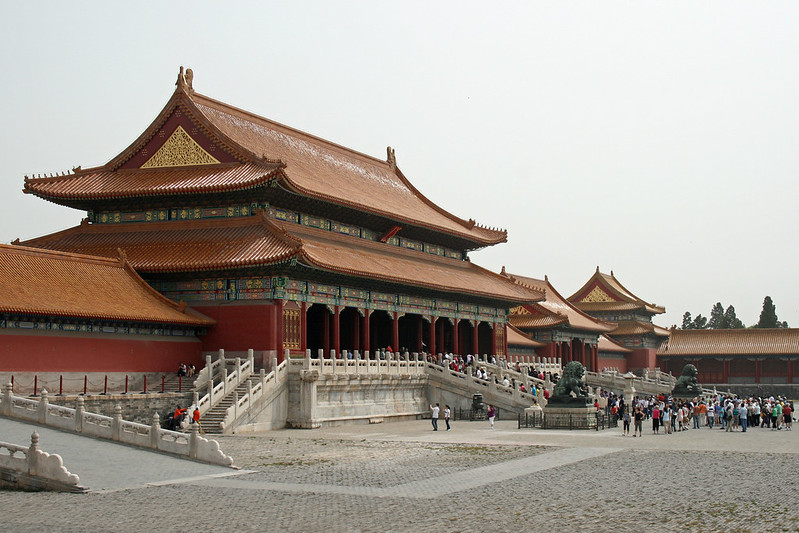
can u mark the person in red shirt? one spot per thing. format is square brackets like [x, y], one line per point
[787, 411]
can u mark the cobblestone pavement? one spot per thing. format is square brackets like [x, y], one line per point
[403, 476]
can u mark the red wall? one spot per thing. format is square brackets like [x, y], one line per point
[642, 358]
[240, 326]
[73, 353]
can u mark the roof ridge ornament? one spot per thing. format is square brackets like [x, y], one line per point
[185, 80]
[391, 157]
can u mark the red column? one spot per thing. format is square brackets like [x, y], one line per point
[432, 348]
[395, 332]
[456, 337]
[279, 328]
[505, 339]
[303, 327]
[757, 370]
[439, 336]
[494, 338]
[475, 344]
[356, 333]
[325, 334]
[365, 330]
[336, 330]
[596, 358]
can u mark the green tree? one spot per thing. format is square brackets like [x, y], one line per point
[686, 320]
[699, 322]
[716, 317]
[768, 316]
[731, 321]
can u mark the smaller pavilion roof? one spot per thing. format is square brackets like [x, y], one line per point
[57, 284]
[517, 337]
[720, 342]
[636, 327]
[603, 292]
[553, 310]
[606, 344]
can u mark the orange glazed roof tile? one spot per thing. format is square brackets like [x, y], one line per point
[606, 344]
[251, 151]
[100, 183]
[634, 327]
[56, 284]
[557, 304]
[179, 246]
[359, 257]
[752, 341]
[211, 244]
[604, 292]
[516, 337]
[540, 318]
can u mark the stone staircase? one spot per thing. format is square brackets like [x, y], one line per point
[212, 420]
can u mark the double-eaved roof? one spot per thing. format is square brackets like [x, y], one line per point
[51, 284]
[201, 146]
[731, 342]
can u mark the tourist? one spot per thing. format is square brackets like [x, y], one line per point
[787, 411]
[665, 417]
[192, 371]
[743, 414]
[447, 413]
[775, 413]
[728, 416]
[711, 416]
[491, 414]
[181, 369]
[435, 410]
[626, 417]
[754, 414]
[639, 421]
[195, 416]
[655, 419]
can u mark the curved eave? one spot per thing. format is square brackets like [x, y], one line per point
[297, 189]
[309, 261]
[45, 313]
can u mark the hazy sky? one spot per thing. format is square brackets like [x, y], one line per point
[654, 139]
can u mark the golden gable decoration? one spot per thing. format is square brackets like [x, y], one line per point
[597, 295]
[178, 151]
[520, 310]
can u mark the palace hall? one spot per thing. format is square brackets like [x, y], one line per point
[277, 240]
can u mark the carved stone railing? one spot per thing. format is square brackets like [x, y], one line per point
[388, 363]
[226, 382]
[655, 383]
[112, 428]
[33, 469]
[266, 385]
[492, 391]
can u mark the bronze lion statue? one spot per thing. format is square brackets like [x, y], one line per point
[686, 383]
[571, 382]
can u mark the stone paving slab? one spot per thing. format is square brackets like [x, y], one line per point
[104, 465]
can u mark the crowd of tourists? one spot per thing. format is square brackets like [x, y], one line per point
[728, 413]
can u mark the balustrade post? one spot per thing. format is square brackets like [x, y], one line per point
[33, 455]
[79, 408]
[7, 388]
[251, 358]
[306, 363]
[116, 423]
[210, 388]
[235, 405]
[333, 360]
[224, 380]
[238, 370]
[249, 391]
[221, 356]
[286, 357]
[208, 364]
[155, 431]
[194, 440]
[262, 374]
[43, 402]
[195, 398]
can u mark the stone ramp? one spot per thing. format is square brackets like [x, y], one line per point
[108, 466]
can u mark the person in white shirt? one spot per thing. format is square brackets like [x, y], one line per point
[435, 410]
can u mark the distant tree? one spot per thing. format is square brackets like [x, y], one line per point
[768, 316]
[731, 321]
[686, 320]
[699, 322]
[716, 317]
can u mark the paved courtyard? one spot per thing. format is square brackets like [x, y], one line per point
[404, 476]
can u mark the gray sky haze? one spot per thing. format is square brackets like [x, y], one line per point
[654, 139]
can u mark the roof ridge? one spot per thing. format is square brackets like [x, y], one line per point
[33, 251]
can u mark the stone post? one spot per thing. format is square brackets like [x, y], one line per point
[249, 392]
[238, 370]
[357, 361]
[195, 398]
[333, 360]
[221, 356]
[208, 364]
[79, 407]
[193, 440]
[43, 402]
[251, 358]
[33, 455]
[210, 393]
[155, 431]
[116, 423]
[224, 380]
[6, 407]
[235, 405]
[274, 364]
[308, 381]
[262, 375]
[629, 390]
[306, 363]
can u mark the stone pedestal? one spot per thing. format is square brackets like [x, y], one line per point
[566, 417]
